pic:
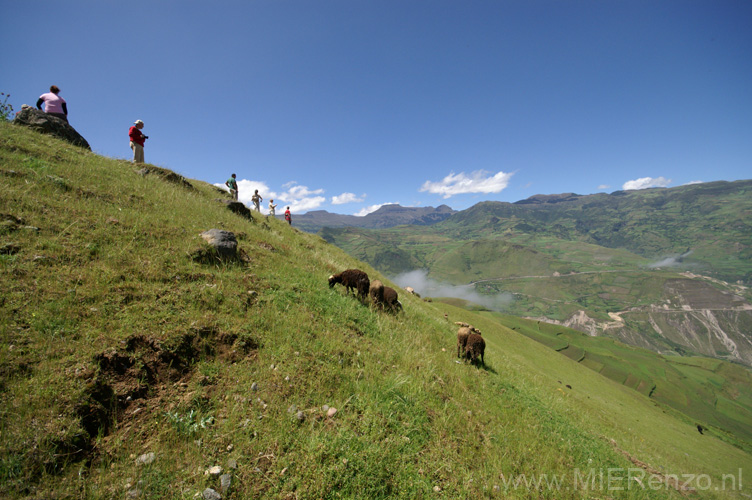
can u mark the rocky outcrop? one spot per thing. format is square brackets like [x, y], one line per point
[236, 207]
[224, 242]
[52, 125]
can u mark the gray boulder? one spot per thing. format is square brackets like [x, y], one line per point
[52, 125]
[224, 242]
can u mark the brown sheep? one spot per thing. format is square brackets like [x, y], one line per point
[384, 297]
[475, 348]
[390, 299]
[376, 292]
[462, 334]
[352, 279]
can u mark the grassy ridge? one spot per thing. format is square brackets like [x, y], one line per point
[116, 342]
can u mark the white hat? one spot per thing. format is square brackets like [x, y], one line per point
[138, 122]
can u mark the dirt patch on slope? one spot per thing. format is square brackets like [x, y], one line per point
[128, 379]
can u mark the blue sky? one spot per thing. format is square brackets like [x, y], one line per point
[348, 105]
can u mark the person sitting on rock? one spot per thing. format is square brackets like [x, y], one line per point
[53, 104]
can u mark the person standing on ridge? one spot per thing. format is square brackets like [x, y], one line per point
[233, 186]
[288, 216]
[272, 208]
[137, 141]
[53, 104]
[257, 199]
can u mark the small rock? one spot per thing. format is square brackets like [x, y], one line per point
[214, 471]
[325, 408]
[232, 464]
[146, 458]
[254, 386]
[225, 480]
[331, 412]
[437, 489]
[300, 416]
[230, 447]
[210, 494]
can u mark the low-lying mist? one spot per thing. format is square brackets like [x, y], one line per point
[672, 261]
[428, 287]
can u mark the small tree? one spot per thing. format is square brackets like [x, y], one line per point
[6, 109]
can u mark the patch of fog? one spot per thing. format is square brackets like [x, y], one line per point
[428, 287]
[671, 261]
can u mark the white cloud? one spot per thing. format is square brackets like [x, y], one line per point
[372, 208]
[479, 181]
[428, 287]
[347, 198]
[300, 198]
[694, 182]
[603, 186]
[247, 187]
[646, 182]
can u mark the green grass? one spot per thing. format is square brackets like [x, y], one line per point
[714, 393]
[116, 342]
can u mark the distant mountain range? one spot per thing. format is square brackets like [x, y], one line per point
[384, 217]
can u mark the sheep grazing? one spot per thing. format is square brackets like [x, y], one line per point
[390, 299]
[376, 292]
[352, 279]
[383, 296]
[475, 347]
[462, 334]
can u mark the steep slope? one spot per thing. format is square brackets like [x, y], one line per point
[130, 364]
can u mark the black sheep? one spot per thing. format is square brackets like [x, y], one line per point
[475, 348]
[390, 299]
[352, 279]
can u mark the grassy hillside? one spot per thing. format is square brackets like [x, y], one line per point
[119, 343]
[713, 393]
